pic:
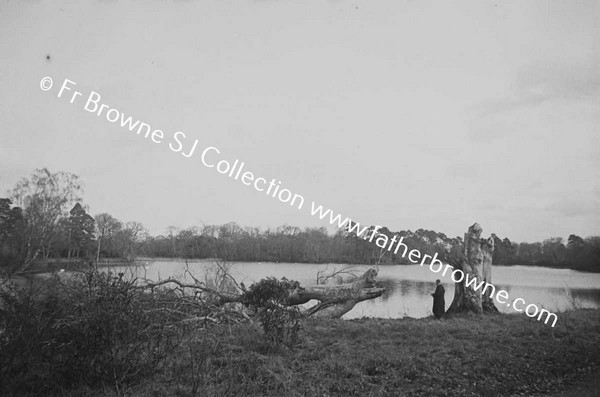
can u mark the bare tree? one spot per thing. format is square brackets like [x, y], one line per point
[106, 227]
[133, 234]
[45, 198]
[172, 230]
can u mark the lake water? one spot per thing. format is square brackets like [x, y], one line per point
[408, 287]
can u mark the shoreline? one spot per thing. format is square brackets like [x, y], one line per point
[55, 265]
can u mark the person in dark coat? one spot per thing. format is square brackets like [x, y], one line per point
[439, 305]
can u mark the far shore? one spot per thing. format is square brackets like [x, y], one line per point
[55, 265]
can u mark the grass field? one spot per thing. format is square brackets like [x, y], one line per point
[493, 355]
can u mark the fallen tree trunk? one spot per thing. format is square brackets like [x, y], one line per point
[334, 300]
[337, 300]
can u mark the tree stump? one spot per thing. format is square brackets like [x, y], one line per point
[476, 262]
[487, 250]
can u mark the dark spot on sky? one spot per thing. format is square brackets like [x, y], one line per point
[48, 57]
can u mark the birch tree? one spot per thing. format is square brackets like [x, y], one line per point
[106, 227]
[45, 198]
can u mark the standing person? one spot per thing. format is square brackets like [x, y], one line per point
[439, 305]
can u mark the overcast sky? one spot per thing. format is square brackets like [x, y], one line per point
[409, 114]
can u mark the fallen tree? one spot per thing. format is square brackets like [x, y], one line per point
[334, 300]
[337, 300]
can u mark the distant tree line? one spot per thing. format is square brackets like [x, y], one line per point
[44, 218]
[316, 245]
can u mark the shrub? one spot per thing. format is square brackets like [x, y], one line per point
[94, 329]
[280, 323]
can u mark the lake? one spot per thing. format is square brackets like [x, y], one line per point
[408, 286]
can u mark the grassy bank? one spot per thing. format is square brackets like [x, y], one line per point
[498, 355]
[96, 334]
